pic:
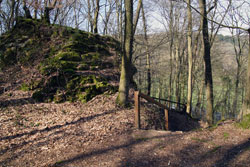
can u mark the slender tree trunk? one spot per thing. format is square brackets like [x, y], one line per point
[236, 92]
[147, 50]
[207, 60]
[35, 10]
[96, 16]
[90, 20]
[177, 70]
[171, 74]
[121, 25]
[127, 56]
[238, 57]
[246, 104]
[137, 15]
[107, 16]
[190, 59]
[171, 53]
[12, 14]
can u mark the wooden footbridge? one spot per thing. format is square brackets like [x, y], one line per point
[157, 101]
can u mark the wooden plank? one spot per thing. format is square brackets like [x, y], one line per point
[137, 110]
[166, 119]
[152, 100]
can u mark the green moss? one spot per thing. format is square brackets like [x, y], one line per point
[63, 52]
[34, 84]
[52, 65]
[245, 123]
[24, 87]
[83, 66]
[59, 97]
[68, 56]
[226, 135]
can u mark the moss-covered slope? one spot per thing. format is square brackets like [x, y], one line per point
[72, 64]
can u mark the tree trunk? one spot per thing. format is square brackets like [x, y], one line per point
[47, 15]
[190, 59]
[35, 10]
[147, 50]
[12, 14]
[126, 72]
[246, 104]
[207, 60]
[177, 71]
[90, 21]
[107, 16]
[96, 16]
[137, 15]
[236, 92]
[171, 53]
[26, 10]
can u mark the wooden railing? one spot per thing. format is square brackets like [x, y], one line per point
[139, 95]
[181, 107]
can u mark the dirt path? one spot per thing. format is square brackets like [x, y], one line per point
[100, 134]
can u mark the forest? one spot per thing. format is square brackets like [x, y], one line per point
[177, 47]
[67, 64]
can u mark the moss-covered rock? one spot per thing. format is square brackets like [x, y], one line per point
[65, 58]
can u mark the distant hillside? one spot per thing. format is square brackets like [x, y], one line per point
[70, 64]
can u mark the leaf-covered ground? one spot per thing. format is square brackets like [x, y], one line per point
[99, 133]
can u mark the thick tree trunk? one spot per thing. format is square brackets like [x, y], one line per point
[26, 10]
[47, 15]
[208, 67]
[96, 16]
[126, 72]
[190, 59]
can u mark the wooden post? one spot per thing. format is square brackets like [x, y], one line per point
[166, 119]
[137, 110]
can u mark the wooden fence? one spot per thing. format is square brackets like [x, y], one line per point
[139, 95]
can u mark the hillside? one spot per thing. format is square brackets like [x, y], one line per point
[58, 109]
[99, 134]
[58, 63]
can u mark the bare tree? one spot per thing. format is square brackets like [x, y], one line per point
[207, 60]
[190, 59]
[95, 22]
[147, 50]
[126, 72]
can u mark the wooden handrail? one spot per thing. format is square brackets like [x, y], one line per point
[150, 99]
[169, 101]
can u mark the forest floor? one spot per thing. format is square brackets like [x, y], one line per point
[99, 133]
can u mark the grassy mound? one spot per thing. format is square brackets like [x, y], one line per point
[72, 63]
